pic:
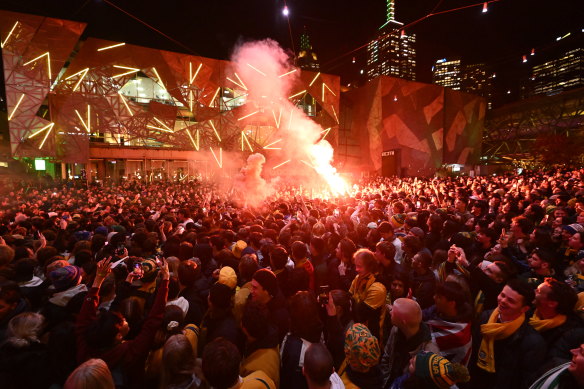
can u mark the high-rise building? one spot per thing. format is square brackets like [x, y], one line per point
[447, 73]
[558, 74]
[478, 80]
[392, 52]
[469, 78]
[307, 58]
[474, 78]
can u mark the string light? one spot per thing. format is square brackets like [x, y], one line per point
[485, 8]
[285, 11]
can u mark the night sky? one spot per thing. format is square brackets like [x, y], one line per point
[499, 37]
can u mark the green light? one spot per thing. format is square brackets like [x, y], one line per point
[40, 164]
[390, 10]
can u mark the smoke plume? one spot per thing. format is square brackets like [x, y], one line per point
[267, 73]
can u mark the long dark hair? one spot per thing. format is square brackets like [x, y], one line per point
[305, 317]
[178, 362]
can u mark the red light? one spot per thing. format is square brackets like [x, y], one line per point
[485, 9]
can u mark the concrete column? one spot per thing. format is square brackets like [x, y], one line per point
[88, 174]
[101, 169]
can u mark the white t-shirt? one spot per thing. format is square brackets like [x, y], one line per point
[336, 381]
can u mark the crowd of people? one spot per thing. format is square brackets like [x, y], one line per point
[469, 282]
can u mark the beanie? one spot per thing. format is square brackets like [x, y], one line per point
[574, 228]
[65, 277]
[267, 280]
[397, 220]
[417, 231]
[101, 230]
[150, 270]
[248, 250]
[439, 372]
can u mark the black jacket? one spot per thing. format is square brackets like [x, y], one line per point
[196, 295]
[517, 358]
[423, 288]
[369, 380]
[552, 336]
[279, 315]
[219, 323]
[24, 367]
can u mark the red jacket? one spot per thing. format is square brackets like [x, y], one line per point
[129, 356]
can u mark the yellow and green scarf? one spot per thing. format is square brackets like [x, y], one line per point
[492, 331]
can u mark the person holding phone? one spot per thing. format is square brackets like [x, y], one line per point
[102, 335]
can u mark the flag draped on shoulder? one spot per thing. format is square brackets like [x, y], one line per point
[453, 339]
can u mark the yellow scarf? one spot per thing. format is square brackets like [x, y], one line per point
[492, 331]
[546, 324]
[359, 287]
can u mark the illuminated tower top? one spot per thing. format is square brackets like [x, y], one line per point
[307, 58]
[390, 10]
[390, 16]
[392, 52]
[305, 41]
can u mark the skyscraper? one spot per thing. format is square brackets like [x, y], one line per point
[469, 78]
[307, 58]
[478, 80]
[392, 52]
[447, 73]
[564, 72]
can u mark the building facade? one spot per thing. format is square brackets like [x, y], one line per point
[111, 110]
[559, 74]
[447, 73]
[392, 126]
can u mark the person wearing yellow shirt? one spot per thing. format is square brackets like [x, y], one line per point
[221, 364]
[368, 293]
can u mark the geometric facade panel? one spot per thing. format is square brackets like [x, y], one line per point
[464, 117]
[113, 94]
[34, 51]
[429, 124]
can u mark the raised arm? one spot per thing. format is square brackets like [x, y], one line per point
[88, 312]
